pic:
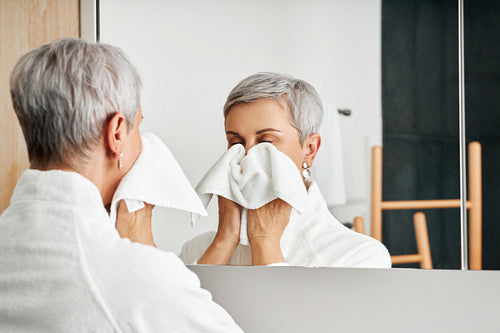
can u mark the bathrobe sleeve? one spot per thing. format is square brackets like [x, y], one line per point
[195, 310]
[193, 249]
[334, 245]
[153, 291]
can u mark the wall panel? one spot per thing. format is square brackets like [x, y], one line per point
[25, 25]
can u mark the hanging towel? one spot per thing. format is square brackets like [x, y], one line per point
[253, 180]
[328, 166]
[156, 178]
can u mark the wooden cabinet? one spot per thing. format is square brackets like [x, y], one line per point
[25, 25]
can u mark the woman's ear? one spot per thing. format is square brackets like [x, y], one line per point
[115, 133]
[311, 146]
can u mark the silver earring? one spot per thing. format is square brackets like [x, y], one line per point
[120, 161]
[306, 173]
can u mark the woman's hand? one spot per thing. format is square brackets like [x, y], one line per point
[228, 234]
[135, 226]
[229, 221]
[265, 228]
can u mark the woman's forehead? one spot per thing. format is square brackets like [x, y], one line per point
[257, 115]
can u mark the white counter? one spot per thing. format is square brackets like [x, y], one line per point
[295, 299]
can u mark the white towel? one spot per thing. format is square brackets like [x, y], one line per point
[328, 167]
[253, 180]
[156, 178]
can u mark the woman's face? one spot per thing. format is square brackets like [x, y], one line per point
[264, 121]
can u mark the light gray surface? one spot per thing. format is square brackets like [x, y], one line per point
[296, 299]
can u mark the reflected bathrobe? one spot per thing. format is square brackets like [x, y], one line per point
[313, 239]
[64, 268]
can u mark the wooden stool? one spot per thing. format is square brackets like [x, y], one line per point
[474, 204]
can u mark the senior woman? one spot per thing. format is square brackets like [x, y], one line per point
[63, 265]
[286, 112]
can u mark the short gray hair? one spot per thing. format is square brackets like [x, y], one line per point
[64, 93]
[298, 97]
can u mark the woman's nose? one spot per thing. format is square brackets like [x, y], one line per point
[249, 145]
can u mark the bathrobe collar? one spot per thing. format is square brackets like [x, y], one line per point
[315, 204]
[58, 186]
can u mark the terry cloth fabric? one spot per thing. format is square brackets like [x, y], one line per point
[253, 180]
[312, 239]
[64, 268]
[156, 178]
[328, 166]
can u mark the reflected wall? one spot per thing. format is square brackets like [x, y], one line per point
[190, 54]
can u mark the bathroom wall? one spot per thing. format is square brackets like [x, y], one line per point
[191, 53]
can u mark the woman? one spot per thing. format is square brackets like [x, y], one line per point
[64, 267]
[287, 112]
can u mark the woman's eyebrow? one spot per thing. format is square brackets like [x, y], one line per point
[267, 130]
[233, 133]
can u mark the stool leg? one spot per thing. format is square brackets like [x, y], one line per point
[475, 212]
[422, 237]
[376, 195]
[359, 225]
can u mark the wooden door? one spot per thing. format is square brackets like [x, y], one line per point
[25, 25]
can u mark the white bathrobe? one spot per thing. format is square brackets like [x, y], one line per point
[312, 239]
[64, 268]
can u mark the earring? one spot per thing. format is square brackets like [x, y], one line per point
[120, 161]
[306, 173]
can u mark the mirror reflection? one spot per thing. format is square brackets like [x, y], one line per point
[420, 127]
[270, 209]
[190, 60]
[392, 65]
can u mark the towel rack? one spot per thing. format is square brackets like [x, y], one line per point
[345, 112]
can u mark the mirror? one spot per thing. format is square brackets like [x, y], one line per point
[392, 63]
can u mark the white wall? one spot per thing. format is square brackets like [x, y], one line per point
[190, 54]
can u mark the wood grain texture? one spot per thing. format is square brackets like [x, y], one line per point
[25, 25]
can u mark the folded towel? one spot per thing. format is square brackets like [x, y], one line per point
[156, 178]
[254, 180]
[328, 167]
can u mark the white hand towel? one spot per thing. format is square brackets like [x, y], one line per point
[253, 180]
[156, 178]
[328, 167]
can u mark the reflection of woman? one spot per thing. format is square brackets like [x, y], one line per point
[286, 112]
[64, 267]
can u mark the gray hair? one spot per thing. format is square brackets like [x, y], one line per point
[298, 97]
[64, 93]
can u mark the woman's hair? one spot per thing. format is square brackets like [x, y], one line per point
[64, 93]
[298, 97]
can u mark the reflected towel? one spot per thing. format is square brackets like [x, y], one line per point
[156, 178]
[253, 180]
[328, 167]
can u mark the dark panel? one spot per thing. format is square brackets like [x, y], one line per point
[420, 122]
[420, 118]
[482, 84]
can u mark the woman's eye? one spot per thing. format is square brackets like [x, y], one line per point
[235, 143]
[268, 141]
